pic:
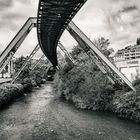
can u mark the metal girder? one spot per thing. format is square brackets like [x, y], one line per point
[6, 62]
[103, 61]
[28, 59]
[17, 41]
[65, 52]
[53, 17]
[36, 64]
[60, 65]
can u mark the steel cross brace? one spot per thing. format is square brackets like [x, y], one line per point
[6, 62]
[16, 42]
[60, 65]
[109, 68]
[65, 51]
[28, 59]
[92, 56]
[36, 64]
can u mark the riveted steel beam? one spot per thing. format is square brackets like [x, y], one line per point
[109, 67]
[13, 46]
[65, 52]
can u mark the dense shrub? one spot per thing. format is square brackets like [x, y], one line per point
[24, 84]
[85, 86]
[9, 92]
[127, 106]
[34, 78]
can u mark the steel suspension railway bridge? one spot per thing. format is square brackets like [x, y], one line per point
[53, 18]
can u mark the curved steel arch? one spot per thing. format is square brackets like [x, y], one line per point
[52, 19]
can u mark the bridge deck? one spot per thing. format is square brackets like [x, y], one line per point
[53, 17]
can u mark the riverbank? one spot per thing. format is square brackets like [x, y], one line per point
[88, 88]
[10, 92]
[40, 116]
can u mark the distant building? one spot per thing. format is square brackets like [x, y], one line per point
[129, 53]
[8, 70]
[127, 61]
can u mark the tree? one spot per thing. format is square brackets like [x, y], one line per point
[19, 62]
[76, 51]
[102, 44]
[138, 41]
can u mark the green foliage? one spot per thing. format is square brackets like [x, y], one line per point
[102, 44]
[19, 62]
[37, 77]
[127, 106]
[25, 73]
[74, 80]
[9, 92]
[138, 41]
[85, 86]
[26, 81]
[77, 80]
[33, 78]
[76, 51]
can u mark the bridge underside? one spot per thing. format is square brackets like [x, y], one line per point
[53, 18]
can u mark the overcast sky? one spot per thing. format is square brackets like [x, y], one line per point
[117, 20]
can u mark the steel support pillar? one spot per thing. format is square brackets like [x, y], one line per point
[109, 68]
[16, 42]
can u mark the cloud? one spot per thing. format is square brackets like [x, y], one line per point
[129, 8]
[111, 19]
[117, 20]
[5, 4]
[14, 14]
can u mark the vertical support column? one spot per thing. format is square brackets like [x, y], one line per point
[16, 42]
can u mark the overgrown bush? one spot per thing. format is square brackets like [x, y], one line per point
[85, 87]
[33, 78]
[24, 84]
[9, 92]
[88, 88]
[127, 106]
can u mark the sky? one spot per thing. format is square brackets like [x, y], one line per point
[116, 20]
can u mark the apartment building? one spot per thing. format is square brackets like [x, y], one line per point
[127, 61]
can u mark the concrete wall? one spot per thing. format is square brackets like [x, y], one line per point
[130, 68]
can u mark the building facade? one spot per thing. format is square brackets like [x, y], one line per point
[8, 71]
[128, 61]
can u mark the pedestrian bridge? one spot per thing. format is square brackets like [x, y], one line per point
[53, 18]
